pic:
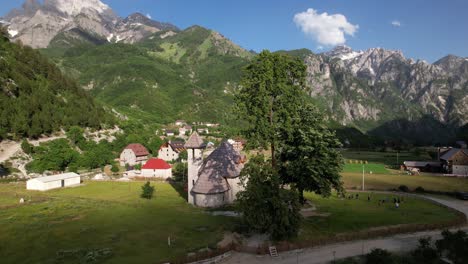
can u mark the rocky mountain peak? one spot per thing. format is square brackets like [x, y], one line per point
[38, 23]
[75, 7]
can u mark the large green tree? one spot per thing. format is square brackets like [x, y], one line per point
[310, 159]
[272, 90]
[265, 206]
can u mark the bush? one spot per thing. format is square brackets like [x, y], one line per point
[147, 191]
[379, 256]
[419, 189]
[403, 188]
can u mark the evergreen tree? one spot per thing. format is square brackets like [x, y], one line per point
[147, 191]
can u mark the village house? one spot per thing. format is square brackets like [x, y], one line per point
[180, 122]
[171, 150]
[133, 154]
[170, 133]
[185, 129]
[423, 166]
[214, 181]
[455, 161]
[157, 168]
[203, 130]
[53, 182]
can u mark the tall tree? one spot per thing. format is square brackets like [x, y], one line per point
[264, 205]
[310, 160]
[272, 90]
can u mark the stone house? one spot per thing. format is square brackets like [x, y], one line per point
[214, 181]
[133, 154]
[171, 150]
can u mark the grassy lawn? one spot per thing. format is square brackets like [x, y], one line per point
[368, 168]
[393, 181]
[103, 215]
[110, 217]
[355, 215]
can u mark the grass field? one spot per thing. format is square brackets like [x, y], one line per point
[108, 222]
[368, 168]
[100, 216]
[393, 181]
[355, 215]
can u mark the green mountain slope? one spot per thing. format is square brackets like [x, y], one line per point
[36, 98]
[189, 75]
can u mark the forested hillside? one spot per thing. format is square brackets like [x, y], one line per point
[190, 75]
[36, 98]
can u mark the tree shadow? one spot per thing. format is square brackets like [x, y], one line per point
[180, 188]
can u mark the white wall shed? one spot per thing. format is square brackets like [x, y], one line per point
[53, 182]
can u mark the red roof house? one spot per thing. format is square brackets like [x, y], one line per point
[156, 168]
[133, 154]
[156, 164]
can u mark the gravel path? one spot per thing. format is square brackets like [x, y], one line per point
[328, 253]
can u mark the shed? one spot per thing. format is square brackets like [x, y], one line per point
[156, 168]
[53, 182]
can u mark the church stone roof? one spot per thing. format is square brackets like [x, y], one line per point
[224, 162]
[194, 142]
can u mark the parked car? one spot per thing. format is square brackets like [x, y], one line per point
[462, 195]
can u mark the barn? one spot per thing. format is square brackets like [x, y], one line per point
[156, 168]
[53, 182]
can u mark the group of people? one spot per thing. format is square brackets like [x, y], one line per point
[397, 201]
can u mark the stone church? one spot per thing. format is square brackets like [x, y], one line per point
[213, 181]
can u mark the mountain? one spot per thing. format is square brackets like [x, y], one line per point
[379, 84]
[192, 74]
[36, 98]
[37, 23]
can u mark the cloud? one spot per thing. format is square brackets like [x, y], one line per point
[327, 30]
[148, 16]
[396, 23]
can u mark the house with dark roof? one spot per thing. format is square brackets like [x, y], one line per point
[455, 161]
[213, 181]
[171, 150]
[157, 168]
[133, 154]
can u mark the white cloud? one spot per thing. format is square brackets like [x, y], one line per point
[320, 47]
[396, 23]
[328, 30]
[148, 16]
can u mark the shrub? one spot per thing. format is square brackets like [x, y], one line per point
[147, 191]
[419, 189]
[403, 188]
[380, 256]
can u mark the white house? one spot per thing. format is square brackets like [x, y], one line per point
[53, 182]
[185, 129]
[212, 182]
[133, 154]
[156, 168]
[170, 151]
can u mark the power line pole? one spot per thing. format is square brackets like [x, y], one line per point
[363, 177]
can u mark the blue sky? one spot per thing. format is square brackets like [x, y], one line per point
[428, 29]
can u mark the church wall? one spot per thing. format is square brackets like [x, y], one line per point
[209, 200]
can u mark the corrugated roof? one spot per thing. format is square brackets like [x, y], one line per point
[194, 141]
[57, 177]
[177, 146]
[156, 164]
[224, 162]
[422, 163]
[449, 154]
[138, 149]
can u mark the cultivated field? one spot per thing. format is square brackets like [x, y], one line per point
[107, 222]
